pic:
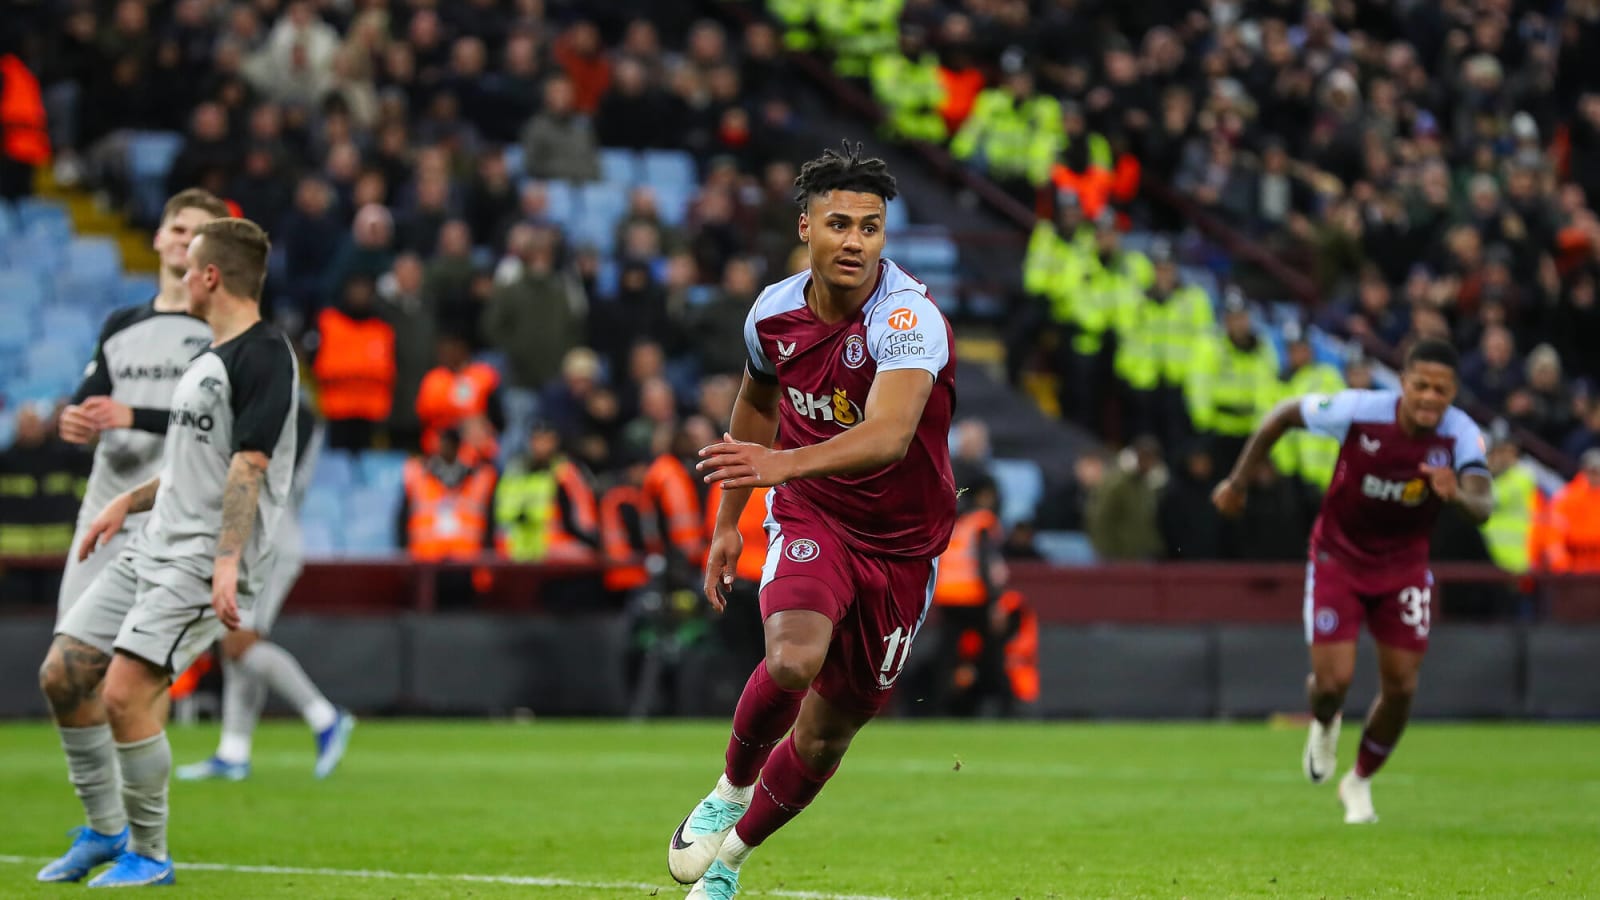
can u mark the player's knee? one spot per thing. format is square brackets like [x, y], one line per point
[794, 666]
[1333, 682]
[71, 673]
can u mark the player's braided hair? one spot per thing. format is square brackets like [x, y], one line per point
[846, 171]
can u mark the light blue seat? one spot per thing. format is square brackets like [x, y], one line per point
[596, 230]
[334, 472]
[68, 324]
[94, 258]
[136, 290]
[563, 200]
[16, 327]
[93, 295]
[8, 428]
[22, 290]
[667, 167]
[896, 216]
[925, 250]
[512, 155]
[672, 203]
[8, 220]
[619, 167]
[36, 251]
[1065, 548]
[1021, 485]
[1138, 240]
[150, 154]
[381, 469]
[321, 539]
[44, 216]
[597, 198]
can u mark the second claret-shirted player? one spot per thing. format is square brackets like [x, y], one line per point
[1404, 455]
[851, 370]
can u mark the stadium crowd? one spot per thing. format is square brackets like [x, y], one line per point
[1429, 163]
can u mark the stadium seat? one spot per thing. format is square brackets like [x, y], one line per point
[8, 220]
[619, 167]
[95, 296]
[381, 469]
[44, 216]
[334, 473]
[1140, 241]
[925, 251]
[150, 153]
[136, 290]
[1021, 485]
[321, 539]
[595, 230]
[563, 202]
[94, 258]
[512, 154]
[672, 203]
[1065, 548]
[597, 198]
[669, 167]
[8, 428]
[21, 290]
[16, 327]
[68, 324]
[896, 217]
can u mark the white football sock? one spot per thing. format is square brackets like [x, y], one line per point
[92, 769]
[282, 673]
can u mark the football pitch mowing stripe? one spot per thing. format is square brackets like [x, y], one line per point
[918, 810]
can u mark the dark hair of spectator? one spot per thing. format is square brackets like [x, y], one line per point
[195, 198]
[1433, 350]
[846, 171]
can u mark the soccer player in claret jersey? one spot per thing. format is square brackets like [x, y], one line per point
[852, 370]
[1403, 456]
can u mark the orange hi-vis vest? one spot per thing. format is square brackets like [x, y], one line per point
[24, 135]
[1574, 528]
[961, 582]
[355, 367]
[752, 527]
[446, 398]
[625, 558]
[447, 522]
[670, 489]
[1022, 651]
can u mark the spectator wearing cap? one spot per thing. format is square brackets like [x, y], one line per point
[1300, 454]
[1158, 330]
[559, 141]
[1235, 382]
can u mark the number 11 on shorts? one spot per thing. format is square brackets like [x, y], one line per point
[896, 643]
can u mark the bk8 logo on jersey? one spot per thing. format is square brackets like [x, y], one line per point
[836, 407]
[1410, 492]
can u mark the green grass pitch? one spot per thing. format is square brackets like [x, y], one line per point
[585, 809]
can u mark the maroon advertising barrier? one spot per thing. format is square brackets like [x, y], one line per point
[1153, 593]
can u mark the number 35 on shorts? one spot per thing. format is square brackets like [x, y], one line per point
[1416, 608]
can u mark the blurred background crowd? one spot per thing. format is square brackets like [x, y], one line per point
[516, 241]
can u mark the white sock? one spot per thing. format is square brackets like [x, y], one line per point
[145, 767]
[740, 795]
[243, 695]
[92, 769]
[734, 852]
[275, 666]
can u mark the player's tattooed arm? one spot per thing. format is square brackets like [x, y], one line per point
[239, 498]
[143, 498]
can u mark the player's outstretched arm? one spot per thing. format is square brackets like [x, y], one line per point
[107, 414]
[239, 497]
[1230, 493]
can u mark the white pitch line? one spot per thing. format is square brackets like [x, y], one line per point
[517, 880]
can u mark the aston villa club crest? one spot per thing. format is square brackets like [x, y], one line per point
[1438, 457]
[802, 550]
[855, 351]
